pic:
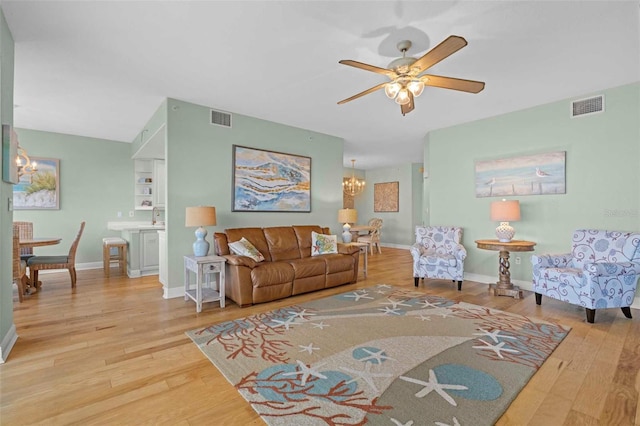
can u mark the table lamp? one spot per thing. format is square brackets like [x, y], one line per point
[347, 216]
[504, 212]
[201, 216]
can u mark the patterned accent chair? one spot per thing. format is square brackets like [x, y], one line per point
[438, 253]
[601, 271]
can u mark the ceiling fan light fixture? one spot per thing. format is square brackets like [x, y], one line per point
[416, 87]
[391, 89]
[403, 97]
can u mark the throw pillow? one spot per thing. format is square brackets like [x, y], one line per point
[245, 248]
[323, 244]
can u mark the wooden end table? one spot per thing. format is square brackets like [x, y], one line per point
[504, 287]
[203, 267]
[364, 248]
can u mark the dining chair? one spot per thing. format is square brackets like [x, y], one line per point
[26, 233]
[19, 266]
[68, 261]
[373, 237]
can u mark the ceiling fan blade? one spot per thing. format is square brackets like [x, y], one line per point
[470, 86]
[407, 108]
[389, 73]
[366, 92]
[448, 47]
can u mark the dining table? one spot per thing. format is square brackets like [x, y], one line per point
[356, 229]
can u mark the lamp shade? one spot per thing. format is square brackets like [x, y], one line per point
[505, 211]
[200, 216]
[347, 215]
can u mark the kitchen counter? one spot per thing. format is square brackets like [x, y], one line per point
[132, 226]
[144, 250]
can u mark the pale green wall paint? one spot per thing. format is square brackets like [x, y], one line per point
[6, 216]
[397, 227]
[157, 120]
[602, 163]
[96, 182]
[199, 172]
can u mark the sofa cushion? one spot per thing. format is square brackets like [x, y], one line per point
[323, 244]
[245, 248]
[272, 273]
[303, 234]
[338, 263]
[308, 267]
[282, 243]
[254, 235]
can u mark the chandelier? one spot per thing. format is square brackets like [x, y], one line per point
[24, 164]
[353, 186]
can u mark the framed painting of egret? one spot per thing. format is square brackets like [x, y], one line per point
[526, 175]
[269, 181]
[39, 190]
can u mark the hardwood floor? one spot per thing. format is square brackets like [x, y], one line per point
[114, 352]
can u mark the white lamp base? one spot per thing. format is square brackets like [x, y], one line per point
[504, 232]
[346, 235]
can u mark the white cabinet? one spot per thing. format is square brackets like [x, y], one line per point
[159, 183]
[149, 251]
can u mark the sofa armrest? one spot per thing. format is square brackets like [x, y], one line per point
[606, 269]
[416, 250]
[347, 249]
[460, 252]
[551, 260]
[233, 259]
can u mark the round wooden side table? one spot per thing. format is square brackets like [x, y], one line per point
[504, 286]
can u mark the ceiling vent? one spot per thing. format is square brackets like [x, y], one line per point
[587, 106]
[221, 118]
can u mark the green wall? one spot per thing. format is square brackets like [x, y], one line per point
[7, 329]
[602, 178]
[96, 182]
[397, 227]
[199, 172]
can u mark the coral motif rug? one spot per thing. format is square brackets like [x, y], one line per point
[382, 355]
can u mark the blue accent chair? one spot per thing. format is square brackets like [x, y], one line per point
[438, 253]
[601, 271]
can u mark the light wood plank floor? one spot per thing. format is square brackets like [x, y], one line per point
[114, 352]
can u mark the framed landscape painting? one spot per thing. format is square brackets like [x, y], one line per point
[40, 190]
[268, 181]
[537, 174]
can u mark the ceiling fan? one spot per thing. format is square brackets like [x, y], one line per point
[407, 78]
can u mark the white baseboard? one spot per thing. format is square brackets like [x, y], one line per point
[173, 292]
[7, 343]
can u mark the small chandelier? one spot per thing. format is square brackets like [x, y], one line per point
[24, 163]
[353, 186]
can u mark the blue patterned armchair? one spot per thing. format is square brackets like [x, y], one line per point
[437, 253]
[601, 271]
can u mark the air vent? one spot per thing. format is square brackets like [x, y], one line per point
[220, 118]
[588, 106]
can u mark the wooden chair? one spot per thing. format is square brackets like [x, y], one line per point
[37, 263]
[373, 237]
[19, 266]
[26, 233]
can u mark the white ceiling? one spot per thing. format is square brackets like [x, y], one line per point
[101, 69]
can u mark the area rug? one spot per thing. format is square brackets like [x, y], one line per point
[382, 355]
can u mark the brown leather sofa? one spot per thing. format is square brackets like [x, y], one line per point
[288, 268]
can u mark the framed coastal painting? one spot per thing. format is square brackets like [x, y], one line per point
[39, 190]
[269, 181]
[386, 196]
[538, 174]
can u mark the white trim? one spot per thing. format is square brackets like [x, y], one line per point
[7, 343]
[636, 303]
[173, 292]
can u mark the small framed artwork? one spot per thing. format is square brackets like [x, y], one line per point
[39, 190]
[268, 181]
[386, 196]
[9, 155]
